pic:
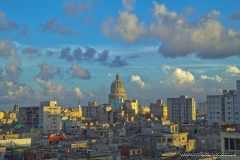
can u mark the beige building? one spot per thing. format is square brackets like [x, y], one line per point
[181, 109]
[143, 110]
[117, 90]
[159, 109]
[51, 116]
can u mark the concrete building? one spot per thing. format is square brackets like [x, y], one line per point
[222, 108]
[50, 117]
[117, 90]
[162, 141]
[92, 110]
[181, 109]
[159, 109]
[131, 105]
[202, 108]
[230, 143]
[30, 116]
[238, 100]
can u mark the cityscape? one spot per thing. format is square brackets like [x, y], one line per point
[119, 80]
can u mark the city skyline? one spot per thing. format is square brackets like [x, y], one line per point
[70, 51]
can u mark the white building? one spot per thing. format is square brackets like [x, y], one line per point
[181, 109]
[223, 108]
[215, 112]
[50, 117]
[238, 100]
[202, 108]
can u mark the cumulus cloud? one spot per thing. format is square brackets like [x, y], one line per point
[24, 28]
[46, 71]
[136, 79]
[13, 68]
[66, 54]
[80, 72]
[73, 8]
[54, 26]
[7, 25]
[235, 16]
[126, 27]
[118, 62]
[110, 74]
[230, 72]
[103, 57]
[205, 36]
[6, 49]
[10, 89]
[177, 76]
[216, 78]
[50, 88]
[78, 93]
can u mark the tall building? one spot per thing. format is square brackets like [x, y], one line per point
[202, 108]
[159, 109]
[222, 108]
[181, 109]
[117, 90]
[238, 99]
[50, 117]
[30, 116]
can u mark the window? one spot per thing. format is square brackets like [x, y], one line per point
[169, 140]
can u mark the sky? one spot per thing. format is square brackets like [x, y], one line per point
[71, 51]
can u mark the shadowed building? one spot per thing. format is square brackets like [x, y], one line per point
[117, 90]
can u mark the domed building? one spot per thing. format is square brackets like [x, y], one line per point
[117, 90]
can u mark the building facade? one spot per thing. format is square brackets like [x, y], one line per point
[181, 109]
[159, 109]
[131, 105]
[202, 108]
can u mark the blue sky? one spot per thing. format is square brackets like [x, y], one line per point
[71, 50]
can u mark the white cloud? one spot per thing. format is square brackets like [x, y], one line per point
[205, 36]
[50, 88]
[110, 74]
[232, 70]
[177, 75]
[216, 78]
[78, 93]
[9, 89]
[136, 79]
[125, 27]
[80, 72]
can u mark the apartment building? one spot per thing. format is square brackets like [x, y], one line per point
[159, 109]
[202, 108]
[181, 109]
[50, 117]
[29, 116]
[222, 108]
